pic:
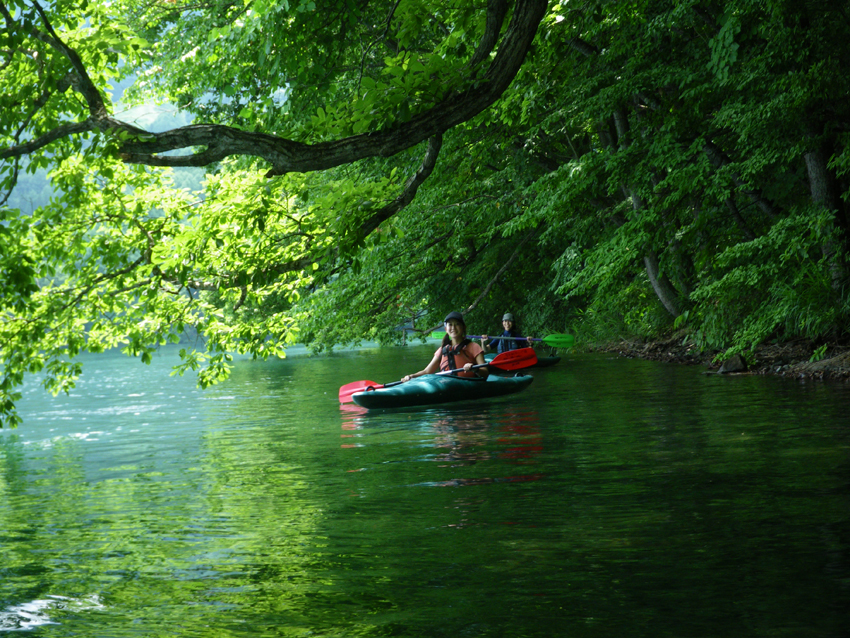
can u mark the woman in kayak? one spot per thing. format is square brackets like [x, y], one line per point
[456, 352]
[508, 339]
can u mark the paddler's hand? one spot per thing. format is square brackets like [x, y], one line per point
[467, 367]
[406, 378]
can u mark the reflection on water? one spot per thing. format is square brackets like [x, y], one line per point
[36, 613]
[612, 497]
[458, 439]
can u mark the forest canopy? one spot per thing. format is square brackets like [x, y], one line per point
[597, 167]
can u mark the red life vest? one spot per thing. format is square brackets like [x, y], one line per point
[454, 358]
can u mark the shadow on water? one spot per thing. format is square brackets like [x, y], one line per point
[612, 497]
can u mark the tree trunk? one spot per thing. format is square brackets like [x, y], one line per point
[719, 159]
[662, 286]
[825, 193]
[739, 219]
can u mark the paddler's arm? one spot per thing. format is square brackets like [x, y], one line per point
[431, 368]
[485, 343]
[481, 372]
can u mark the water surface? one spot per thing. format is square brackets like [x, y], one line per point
[614, 497]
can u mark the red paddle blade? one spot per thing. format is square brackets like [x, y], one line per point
[514, 359]
[348, 389]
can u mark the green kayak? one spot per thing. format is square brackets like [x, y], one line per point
[431, 389]
[542, 362]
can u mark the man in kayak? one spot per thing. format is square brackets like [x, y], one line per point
[508, 339]
[456, 352]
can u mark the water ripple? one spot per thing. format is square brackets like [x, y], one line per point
[36, 613]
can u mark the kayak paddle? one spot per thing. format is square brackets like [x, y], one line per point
[511, 360]
[348, 389]
[556, 340]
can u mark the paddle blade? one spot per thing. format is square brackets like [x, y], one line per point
[514, 359]
[348, 389]
[559, 341]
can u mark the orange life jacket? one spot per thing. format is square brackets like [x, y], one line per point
[454, 358]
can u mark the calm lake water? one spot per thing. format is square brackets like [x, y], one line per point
[612, 498]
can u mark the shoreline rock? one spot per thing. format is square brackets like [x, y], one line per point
[790, 359]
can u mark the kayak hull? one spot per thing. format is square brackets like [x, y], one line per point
[542, 362]
[433, 389]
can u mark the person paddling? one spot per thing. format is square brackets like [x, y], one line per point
[455, 352]
[508, 339]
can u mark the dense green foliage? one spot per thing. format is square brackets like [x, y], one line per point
[652, 164]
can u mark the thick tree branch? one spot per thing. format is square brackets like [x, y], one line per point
[86, 87]
[496, 12]
[409, 190]
[61, 131]
[218, 142]
[286, 156]
[99, 117]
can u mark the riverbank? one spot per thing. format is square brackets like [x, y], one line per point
[792, 359]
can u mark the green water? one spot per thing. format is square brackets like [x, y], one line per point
[612, 498]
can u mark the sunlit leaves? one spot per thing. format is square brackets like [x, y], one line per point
[39, 81]
[339, 69]
[96, 290]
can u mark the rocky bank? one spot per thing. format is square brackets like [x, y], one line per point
[792, 359]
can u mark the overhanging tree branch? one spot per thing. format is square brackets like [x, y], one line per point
[218, 142]
[409, 190]
[289, 156]
[99, 117]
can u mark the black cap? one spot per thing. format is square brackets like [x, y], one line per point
[454, 315]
